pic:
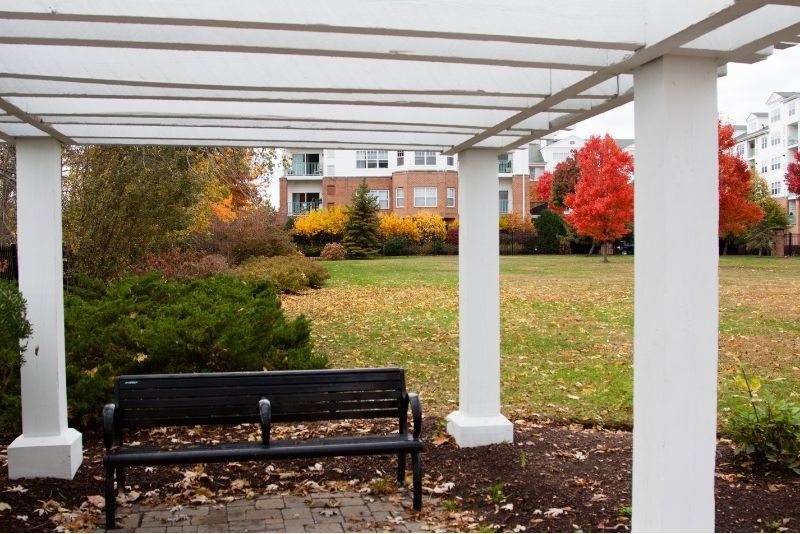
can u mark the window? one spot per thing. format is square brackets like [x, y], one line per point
[792, 211]
[450, 161]
[382, 196]
[400, 197]
[451, 197]
[764, 166]
[763, 141]
[792, 108]
[503, 202]
[775, 188]
[775, 115]
[740, 150]
[401, 158]
[304, 202]
[305, 165]
[372, 159]
[425, 197]
[775, 138]
[775, 164]
[425, 158]
[503, 163]
[560, 156]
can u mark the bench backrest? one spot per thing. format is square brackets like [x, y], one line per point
[232, 398]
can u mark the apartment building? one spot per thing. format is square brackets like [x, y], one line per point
[768, 143]
[403, 182]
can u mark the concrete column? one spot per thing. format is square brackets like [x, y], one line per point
[47, 447]
[478, 420]
[675, 295]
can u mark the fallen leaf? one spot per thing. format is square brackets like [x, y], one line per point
[98, 501]
[16, 489]
[4, 506]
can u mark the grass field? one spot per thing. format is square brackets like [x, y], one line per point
[566, 329]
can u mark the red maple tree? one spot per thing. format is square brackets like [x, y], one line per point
[565, 177]
[544, 187]
[736, 212]
[602, 204]
[793, 175]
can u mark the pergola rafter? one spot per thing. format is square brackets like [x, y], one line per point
[456, 76]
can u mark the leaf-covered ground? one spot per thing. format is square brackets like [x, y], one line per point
[567, 329]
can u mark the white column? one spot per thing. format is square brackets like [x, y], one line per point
[478, 420]
[47, 447]
[675, 295]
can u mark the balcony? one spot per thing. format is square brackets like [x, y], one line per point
[310, 168]
[299, 208]
[504, 166]
[791, 141]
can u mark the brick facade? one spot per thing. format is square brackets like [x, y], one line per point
[339, 191]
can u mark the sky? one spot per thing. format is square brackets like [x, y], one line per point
[745, 89]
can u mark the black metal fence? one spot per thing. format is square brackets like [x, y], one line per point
[791, 245]
[8, 261]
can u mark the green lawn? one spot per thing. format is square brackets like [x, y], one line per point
[566, 337]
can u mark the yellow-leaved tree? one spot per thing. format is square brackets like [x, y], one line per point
[393, 225]
[431, 227]
[323, 225]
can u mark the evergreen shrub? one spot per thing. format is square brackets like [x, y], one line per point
[396, 246]
[148, 324]
[14, 328]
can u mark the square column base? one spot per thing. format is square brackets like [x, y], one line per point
[478, 431]
[48, 456]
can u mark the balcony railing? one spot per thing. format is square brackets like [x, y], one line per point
[504, 166]
[304, 169]
[298, 208]
[791, 141]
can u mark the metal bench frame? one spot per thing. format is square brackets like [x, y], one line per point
[153, 401]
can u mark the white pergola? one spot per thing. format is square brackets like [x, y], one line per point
[458, 76]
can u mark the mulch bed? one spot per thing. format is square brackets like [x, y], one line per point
[552, 479]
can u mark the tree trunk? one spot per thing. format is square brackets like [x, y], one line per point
[604, 247]
[725, 248]
[591, 250]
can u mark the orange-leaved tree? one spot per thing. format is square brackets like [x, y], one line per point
[602, 204]
[736, 210]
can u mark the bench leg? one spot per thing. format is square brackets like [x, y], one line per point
[416, 466]
[120, 479]
[111, 501]
[401, 469]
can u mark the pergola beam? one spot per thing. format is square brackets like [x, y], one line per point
[36, 122]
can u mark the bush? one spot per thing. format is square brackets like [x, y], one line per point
[549, 228]
[148, 324]
[765, 429]
[393, 225]
[323, 225]
[431, 227]
[256, 232]
[396, 246]
[310, 250]
[14, 328]
[186, 265]
[333, 252]
[452, 235]
[290, 274]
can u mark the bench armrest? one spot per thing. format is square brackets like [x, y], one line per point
[416, 413]
[265, 411]
[108, 425]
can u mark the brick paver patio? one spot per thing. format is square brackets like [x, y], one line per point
[317, 512]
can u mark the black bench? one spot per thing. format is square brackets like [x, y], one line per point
[151, 401]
